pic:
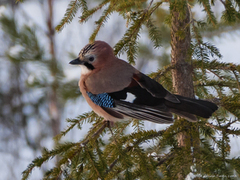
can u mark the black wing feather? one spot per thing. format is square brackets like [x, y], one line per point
[144, 106]
[157, 114]
[154, 103]
[154, 88]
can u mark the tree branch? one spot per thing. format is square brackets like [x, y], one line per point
[105, 124]
[161, 161]
[225, 128]
[129, 148]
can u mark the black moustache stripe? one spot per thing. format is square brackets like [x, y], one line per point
[89, 66]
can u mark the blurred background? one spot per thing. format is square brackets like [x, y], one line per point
[39, 89]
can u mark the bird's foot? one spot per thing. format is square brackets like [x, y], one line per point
[110, 123]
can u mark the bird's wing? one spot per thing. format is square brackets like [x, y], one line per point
[120, 75]
[158, 114]
[153, 87]
[142, 106]
[121, 79]
[152, 104]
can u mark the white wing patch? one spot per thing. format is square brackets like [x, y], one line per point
[130, 97]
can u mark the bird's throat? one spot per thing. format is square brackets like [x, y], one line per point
[84, 70]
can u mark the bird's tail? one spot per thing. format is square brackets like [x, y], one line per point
[189, 107]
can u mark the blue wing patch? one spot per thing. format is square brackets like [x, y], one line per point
[103, 100]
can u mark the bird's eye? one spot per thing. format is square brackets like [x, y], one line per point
[91, 59]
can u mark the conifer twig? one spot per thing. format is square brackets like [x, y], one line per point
[129, 148]
[161, 161]
[154, 8]
[112, 165]
[224, 128]
[220, 77]
[212, 126]
[94, 127]
[162, 72]
[109, 126]
[149, 5]
[67, 17]
[84, 143]
[223, 3]
[105, 123]
[236, 79]
[95, 168]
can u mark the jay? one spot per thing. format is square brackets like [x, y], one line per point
[106, 82]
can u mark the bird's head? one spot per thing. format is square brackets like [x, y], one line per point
[94, 55]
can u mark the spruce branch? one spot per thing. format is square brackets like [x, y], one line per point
[92, 161]
[212, 83]
[138, 141]
[87, 14]
[71, 12]
[46, 155]
[154, 33]
[89, 117]
[112, 165]
[214, 64]
[238, 3]
[149, 5]
[230, 14]
[97, 133]
[102, 20]
[216, 74]
[237, 79]
[74, 149]
[157, 75]
[207, 9]
[154, 8]
[109, 126]
[225, 128]
[83, 145]
[129, 41]
[223, 2]
[163, 160]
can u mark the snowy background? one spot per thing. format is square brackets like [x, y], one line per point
[71, 40]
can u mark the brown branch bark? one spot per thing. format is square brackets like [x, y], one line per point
[163, 160]
[53, 104]
[182, 73]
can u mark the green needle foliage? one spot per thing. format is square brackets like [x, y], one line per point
[113, 153]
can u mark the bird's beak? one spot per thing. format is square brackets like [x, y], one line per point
[76, 62]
